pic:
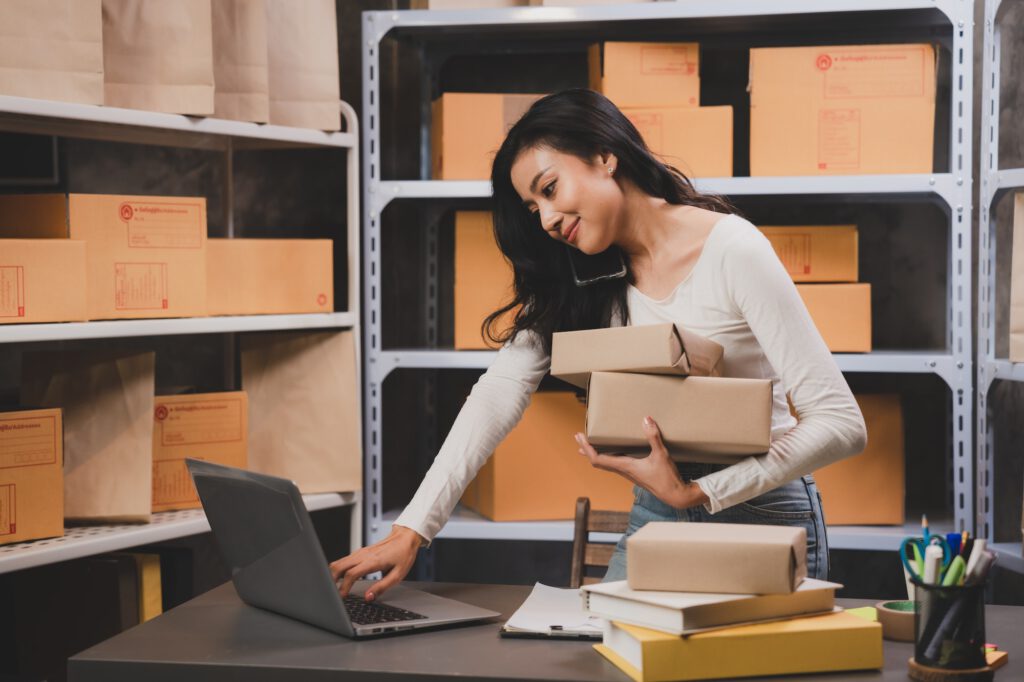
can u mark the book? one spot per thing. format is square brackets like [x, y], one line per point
[686, 612]
[553, 612]
[823, 643]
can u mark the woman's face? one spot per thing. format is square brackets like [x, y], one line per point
[577, 203]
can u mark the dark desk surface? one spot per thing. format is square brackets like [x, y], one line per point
[217, 637]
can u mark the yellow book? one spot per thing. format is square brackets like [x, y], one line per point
[150, 591]
[827, 643]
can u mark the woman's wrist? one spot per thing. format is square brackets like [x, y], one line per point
[689, 494]
[408, 535]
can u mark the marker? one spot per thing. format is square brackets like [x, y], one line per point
[976, 552]
[932, 564]
[955, 572]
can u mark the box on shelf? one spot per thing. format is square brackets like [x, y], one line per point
[145, 256]
[31, 475]
[869, 488]
[269, 276]
[52, 49]
[42, 280]
[304, 419]
[483, 279]
[468, 128]
[158, 56]
[696, 140]
[728, 558]
[240, 70]
[841, 110]
[1017, 282]
[464, 4]
[208, 426]
[842, 314]
[646, 74]
[107, 402]
[508, 488]
[582, 3]
[302, 41]
[702, 419]
[812, 253]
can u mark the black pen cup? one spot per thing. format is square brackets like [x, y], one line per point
[949, 626]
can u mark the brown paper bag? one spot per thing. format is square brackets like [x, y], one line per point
[107, 399]
[240, 60]
[1017, 282]
[304, 419]
[52, 49]
[302, 40]
[158, 55]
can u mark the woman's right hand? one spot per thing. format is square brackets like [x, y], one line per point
[395, 555]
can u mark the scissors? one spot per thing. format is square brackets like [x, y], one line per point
[915, 548]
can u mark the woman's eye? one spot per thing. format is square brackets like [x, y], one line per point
[549, 189]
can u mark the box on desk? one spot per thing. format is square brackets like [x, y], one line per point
[31, 475]
[269, 276]
[702, 419]
[646, 74]
[42, 280]
[483, 279]
[643, 349]
[838, 110]
[696, 140]
[208, 426]
[468, 128]
[730, 558]
[508, 488]
[826, 253]
[145, 256]
[842, 314]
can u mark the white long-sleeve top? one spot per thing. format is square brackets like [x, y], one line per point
[739, 294]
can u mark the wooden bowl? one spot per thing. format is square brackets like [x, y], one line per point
[897, 619]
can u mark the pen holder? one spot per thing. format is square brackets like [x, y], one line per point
[949, 626]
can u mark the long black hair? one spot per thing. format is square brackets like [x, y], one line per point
[585, 124]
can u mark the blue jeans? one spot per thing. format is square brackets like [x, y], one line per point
[796, 503]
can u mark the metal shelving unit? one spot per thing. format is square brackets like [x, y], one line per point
[22, 115]
[952, 19]
[995, 184]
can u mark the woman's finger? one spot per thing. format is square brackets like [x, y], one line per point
[375, 590]
[355, 573]
[339, 567]
[653, 432]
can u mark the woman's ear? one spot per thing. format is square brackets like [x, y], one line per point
[609, 161]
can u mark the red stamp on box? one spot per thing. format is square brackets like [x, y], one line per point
[321, 299]
[161, 413]
[12, 291]
[28, 442]
[126, 212]
[823, 62]
[8, 519]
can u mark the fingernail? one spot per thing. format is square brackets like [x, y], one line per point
[579, 438]
[369, 596]
[648, 421]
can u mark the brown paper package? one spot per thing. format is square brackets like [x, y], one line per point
[646, 349]
[240, 69]
[728, 558]
[107, 400]
[304, 418]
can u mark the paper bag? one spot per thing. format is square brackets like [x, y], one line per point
[52, 49]
[107, 399]
[240, 60]
[1017, 282]
[304, 418]
[302, 42]
[158, 55]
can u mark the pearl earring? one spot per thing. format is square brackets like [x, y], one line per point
[610, 170]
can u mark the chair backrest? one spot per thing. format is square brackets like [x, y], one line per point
[586, 553]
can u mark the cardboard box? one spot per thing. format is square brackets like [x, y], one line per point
[464, 4]
[869, 488]
[31, 475]
[842, 313]
[145, 256]
[269, 276]
[483, 279]
[210, 426]
[842, 110]
[304, 417]
[702, 419]
[1017, 282]
[468, 128]
[42, 280]
[645, 349]
[646, 74]
[107, 401]
[730, 558]
[507, 488]
[696, 140]
[813, 253]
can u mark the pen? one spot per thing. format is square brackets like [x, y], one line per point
[953, 540]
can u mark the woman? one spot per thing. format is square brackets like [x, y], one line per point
[574, 175]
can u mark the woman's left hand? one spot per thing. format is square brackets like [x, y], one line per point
[656, 472]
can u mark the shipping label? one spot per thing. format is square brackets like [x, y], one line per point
[8, 518]
[651, 128]
[12, 291]
[140, 286]
[163, 224]
[794, 251]
[874, 72]
[172, 484]
[200, 422]
[839, 139]
[28, 441]
[660, 60]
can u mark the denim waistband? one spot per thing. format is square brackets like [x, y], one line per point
[691, 470]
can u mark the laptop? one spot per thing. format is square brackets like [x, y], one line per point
[267, 539]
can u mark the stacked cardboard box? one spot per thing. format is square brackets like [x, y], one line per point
[31, 475]
[483, 279]
[657, 86]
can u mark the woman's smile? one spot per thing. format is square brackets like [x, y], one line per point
[569, 234]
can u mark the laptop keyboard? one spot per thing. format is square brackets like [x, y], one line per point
[362, 612]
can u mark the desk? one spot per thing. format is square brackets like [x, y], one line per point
[217, 637]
